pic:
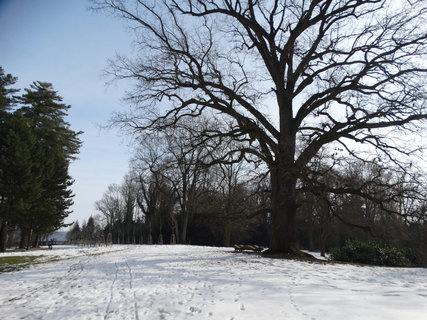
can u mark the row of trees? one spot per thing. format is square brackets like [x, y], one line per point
[171, 195]
[37, 145]
[288, 81]
[90, 233]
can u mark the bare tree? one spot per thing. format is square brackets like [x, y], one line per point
[128, 194]
[340, 72]
[149, 195]
[172, 158]
[110, 205]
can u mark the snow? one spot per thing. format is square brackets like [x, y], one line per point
[189, 282]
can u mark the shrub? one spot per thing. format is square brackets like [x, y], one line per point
[376, 253]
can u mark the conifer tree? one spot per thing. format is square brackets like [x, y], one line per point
[6, 93]
[56, 146]
[14, 145]
[20, 184]
[36, 145]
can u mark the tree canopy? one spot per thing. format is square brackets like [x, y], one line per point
[37, 146]
[288, 79]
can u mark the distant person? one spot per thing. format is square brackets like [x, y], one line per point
[50, 243]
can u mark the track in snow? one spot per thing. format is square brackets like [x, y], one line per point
[186, 282]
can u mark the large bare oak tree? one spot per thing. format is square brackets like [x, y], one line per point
[289, 77]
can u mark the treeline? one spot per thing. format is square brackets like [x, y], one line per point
[36, 146]
[171, 195]
[384, 206]
[89, 234]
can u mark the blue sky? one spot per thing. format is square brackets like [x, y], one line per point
[64, 43]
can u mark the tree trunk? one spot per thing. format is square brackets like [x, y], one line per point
[3, 234]
[29, 236]
[36, 243]
[176, 228]
[227, 234]
[283, 212]
[23, 240]
[150, 236]
[10, 238]
[323, 238]
[184, 224]
[310, 239]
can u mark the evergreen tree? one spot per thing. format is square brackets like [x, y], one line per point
[56, 146]
[6, 93]
[15, 143]
[36, 145]
[20, 184]
[75, 233]
[89, 229]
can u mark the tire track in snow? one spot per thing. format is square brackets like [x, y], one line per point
[107, 311]
[36, 302]
[72, 274]
[121, 292]
[135, 304]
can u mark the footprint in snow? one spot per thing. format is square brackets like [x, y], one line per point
[195, 310]
[391, 294]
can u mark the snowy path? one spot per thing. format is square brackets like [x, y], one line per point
[186, 282]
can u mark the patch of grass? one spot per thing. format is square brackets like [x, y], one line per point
[15, 263]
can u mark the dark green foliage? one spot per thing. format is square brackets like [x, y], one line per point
[12, 155]
[56, 146]
[20, 183]
[376, 253]
[36, 146]
[75, 233]
[6, 93]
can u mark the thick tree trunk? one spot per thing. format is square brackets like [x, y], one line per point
[284, 177]
[283, 212]
[36, 241]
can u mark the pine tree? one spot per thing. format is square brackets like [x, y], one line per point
[75, 233]
[36, 145]
[20, 184]
[56, 146]
[88, 229]
[15, 142]
[6, 93]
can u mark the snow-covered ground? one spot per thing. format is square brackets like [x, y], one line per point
[188, 282]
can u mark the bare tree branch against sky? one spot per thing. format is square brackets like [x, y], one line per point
[64, 43]
[341, 72]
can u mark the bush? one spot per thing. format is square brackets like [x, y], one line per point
[376, 253]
